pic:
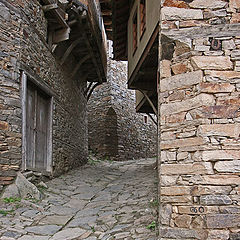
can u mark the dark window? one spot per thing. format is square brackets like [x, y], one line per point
[142, 17]
[145, 119]
[134, 32]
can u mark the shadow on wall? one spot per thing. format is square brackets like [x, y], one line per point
[111, 134]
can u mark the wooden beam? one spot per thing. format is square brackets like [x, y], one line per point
[150, 102]
[91, 91]
[60, 35]
[49, 7]
[69, 50]
[58, 13]
[79, 65]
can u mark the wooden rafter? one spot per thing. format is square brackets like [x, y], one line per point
[69, 50]
[75, 70]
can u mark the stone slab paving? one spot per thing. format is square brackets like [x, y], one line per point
[104, 200]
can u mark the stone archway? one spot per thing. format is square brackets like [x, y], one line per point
[111, 134]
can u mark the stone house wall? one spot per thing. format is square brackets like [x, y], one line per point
[23, 47]
[112, 100]
[199, 158]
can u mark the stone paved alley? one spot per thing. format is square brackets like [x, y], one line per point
[103, 200]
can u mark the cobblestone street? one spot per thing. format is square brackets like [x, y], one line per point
[103, 200]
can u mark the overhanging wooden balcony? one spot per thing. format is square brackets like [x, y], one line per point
[77, 36]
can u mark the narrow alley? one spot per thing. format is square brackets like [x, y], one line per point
[101, 200]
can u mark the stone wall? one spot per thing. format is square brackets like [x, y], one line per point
[199, 160]
[23, 46]
[112, 104]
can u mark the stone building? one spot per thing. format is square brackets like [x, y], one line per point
[184, 59]
[115, 130]
[47, 49]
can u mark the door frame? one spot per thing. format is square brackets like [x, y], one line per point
[24, 81]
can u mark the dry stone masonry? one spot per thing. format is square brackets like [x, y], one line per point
[23, 47]
[199, 120]
[115, 130]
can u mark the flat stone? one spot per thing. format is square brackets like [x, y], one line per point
[217, 87]
[181, 233]
[168, 180]
[174, 13]
[178, 143]
[211, 190]
[183, 221]
[207, 4]
[186, 105]
[235, 19]
[175, 3]
[165, 68]
[223, 130]
[235, 54]
[181, 169]
[220, 155]
[218, 234]
[215, 200]
[77, 222]
[221, 180]
[180, 68]
[234, 4]
[4, 125]
[55, 220]
[166, 214]
[228, 166]
[68, 234]
[33, 237]
[228, 45]
[174, 191]
[30, 213]
[223, 221]
[62, 210]
[43, 230]
[212, 62]
[181, 81]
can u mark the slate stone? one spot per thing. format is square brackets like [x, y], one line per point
[223, 221]
[215, 200]
[44, 230]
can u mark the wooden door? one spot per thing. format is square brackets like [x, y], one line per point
[37, 128]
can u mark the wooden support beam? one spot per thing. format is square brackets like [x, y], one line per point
[60, 35]
[58, 13]
[69, 50]
[49, 7]
[79, 65]
[93, 57]
[91, 91]
[149, 101]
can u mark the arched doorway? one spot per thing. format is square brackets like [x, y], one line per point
[111, 135]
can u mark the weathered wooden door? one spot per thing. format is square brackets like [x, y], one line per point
[37, 128]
